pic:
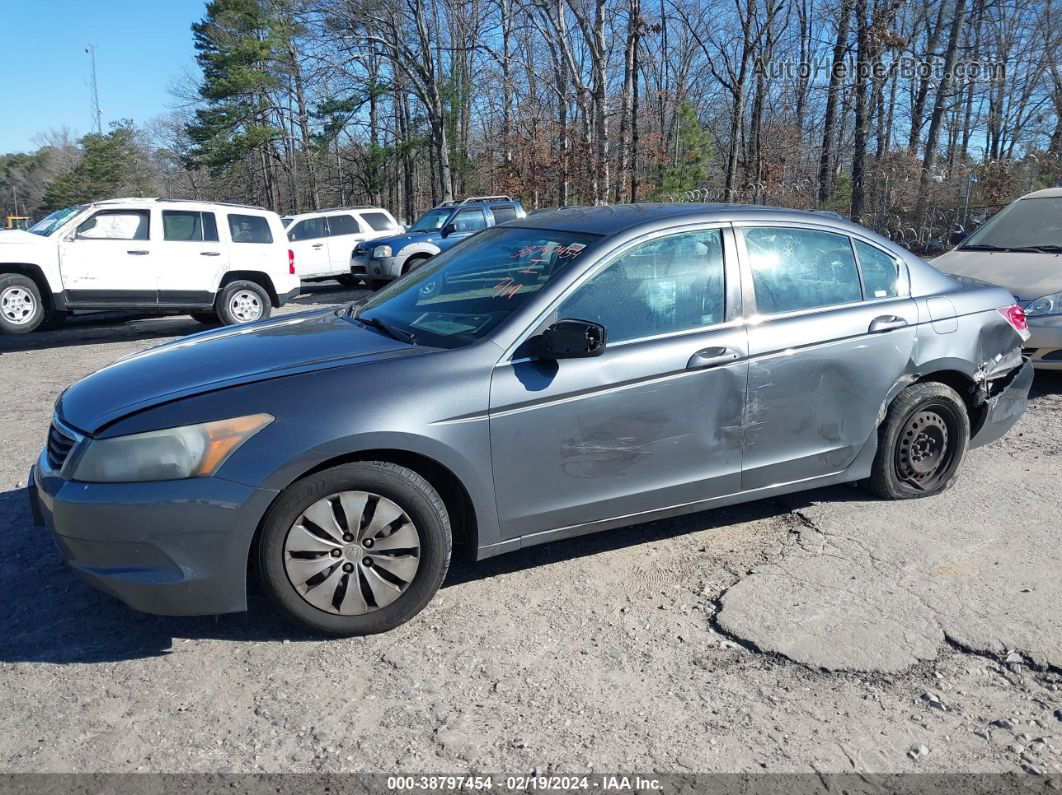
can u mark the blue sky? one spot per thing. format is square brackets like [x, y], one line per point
[142, 47]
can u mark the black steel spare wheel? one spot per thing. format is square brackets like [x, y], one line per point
[925, 452]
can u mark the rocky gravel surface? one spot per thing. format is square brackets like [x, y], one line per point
[824, 632]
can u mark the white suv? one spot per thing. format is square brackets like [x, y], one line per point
[324, 241]
[215, 261]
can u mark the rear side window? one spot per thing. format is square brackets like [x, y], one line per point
[188, 226]
[309, 229]
[116, 225]
[249, 229]
[342, 225]
[883, 276]
[503, 214]
[378, 221]
[795, 269]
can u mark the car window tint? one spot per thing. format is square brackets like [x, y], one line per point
[379, 222]
[116, 225]
[800, 269]
[469, 221]
[503, 214]
[182, 225]
[670, 284]
[249, 229]
[309, 229]
[210, 227]
[882, 273]
[342, 225]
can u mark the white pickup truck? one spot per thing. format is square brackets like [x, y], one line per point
[217, 262]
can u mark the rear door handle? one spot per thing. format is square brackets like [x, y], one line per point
[137, 251]
[886, 323]
[712, 357]
[210, 253]
[318, 245]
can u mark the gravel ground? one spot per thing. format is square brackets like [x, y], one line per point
[824, 632]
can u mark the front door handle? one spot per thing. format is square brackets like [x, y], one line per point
[137, 251]
[712, 357]
[886, 323]
[210, 253]
[318, 245]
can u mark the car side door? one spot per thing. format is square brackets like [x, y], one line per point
[345, 231]
[108, 260]
[461, 224]
[309, 241]
[655, 420]
[831, 332]
[190, 256]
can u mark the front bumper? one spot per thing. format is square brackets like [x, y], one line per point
[177, 547]
[1005, 407]
[375, 268]
[1044, 345]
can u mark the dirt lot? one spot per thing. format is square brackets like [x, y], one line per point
[824, 632]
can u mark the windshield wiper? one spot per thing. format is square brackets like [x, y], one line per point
[1047, 248]
[391, 331]
[984, 247]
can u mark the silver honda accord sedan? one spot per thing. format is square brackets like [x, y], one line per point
[567, 373]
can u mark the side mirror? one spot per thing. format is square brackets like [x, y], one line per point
[448, 230]
[573, 339]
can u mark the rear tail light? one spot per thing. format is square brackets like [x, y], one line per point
[1015, 315]
[291, 263]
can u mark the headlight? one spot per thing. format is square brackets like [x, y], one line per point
[191, 451]
[1047, 305]
[381, 251]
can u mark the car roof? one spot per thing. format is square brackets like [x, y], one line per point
[135, 201]
[1046, 193]
[325, 210]
[609, 220]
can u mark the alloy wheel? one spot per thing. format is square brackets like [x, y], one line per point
[17, 305]
[245, 306]
[352, 553]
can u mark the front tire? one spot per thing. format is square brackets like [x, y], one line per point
[921, 443]
[21, 309]
[243, 302]
[355, 550]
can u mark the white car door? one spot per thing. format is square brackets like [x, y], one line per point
[190, 257]
[309, 240]
[344, 233]
[109, 260]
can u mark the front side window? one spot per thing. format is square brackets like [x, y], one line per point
[468, 221]
[249, 229]
[188, 226]
[883, 276]
[342, 225]
[794, 269]
[310, 229]
[459, 296]
[378, 222]
[665, 285]
[116, 225]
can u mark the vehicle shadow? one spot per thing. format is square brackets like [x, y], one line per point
[1046, 383]
[97, 328]
[51, 616]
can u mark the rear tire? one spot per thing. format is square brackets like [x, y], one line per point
[243, 302]
[921, 443]
[21, 310]
[328, 517]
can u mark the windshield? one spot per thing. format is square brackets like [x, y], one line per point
[459, 296]
[431, 220]
[1027, 223]
[53, 221]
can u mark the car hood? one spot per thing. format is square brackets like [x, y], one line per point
[397, 241]
[1027, 275]
[218, 359]
[20, 236]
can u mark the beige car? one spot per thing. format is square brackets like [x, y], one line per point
[1020, 249]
